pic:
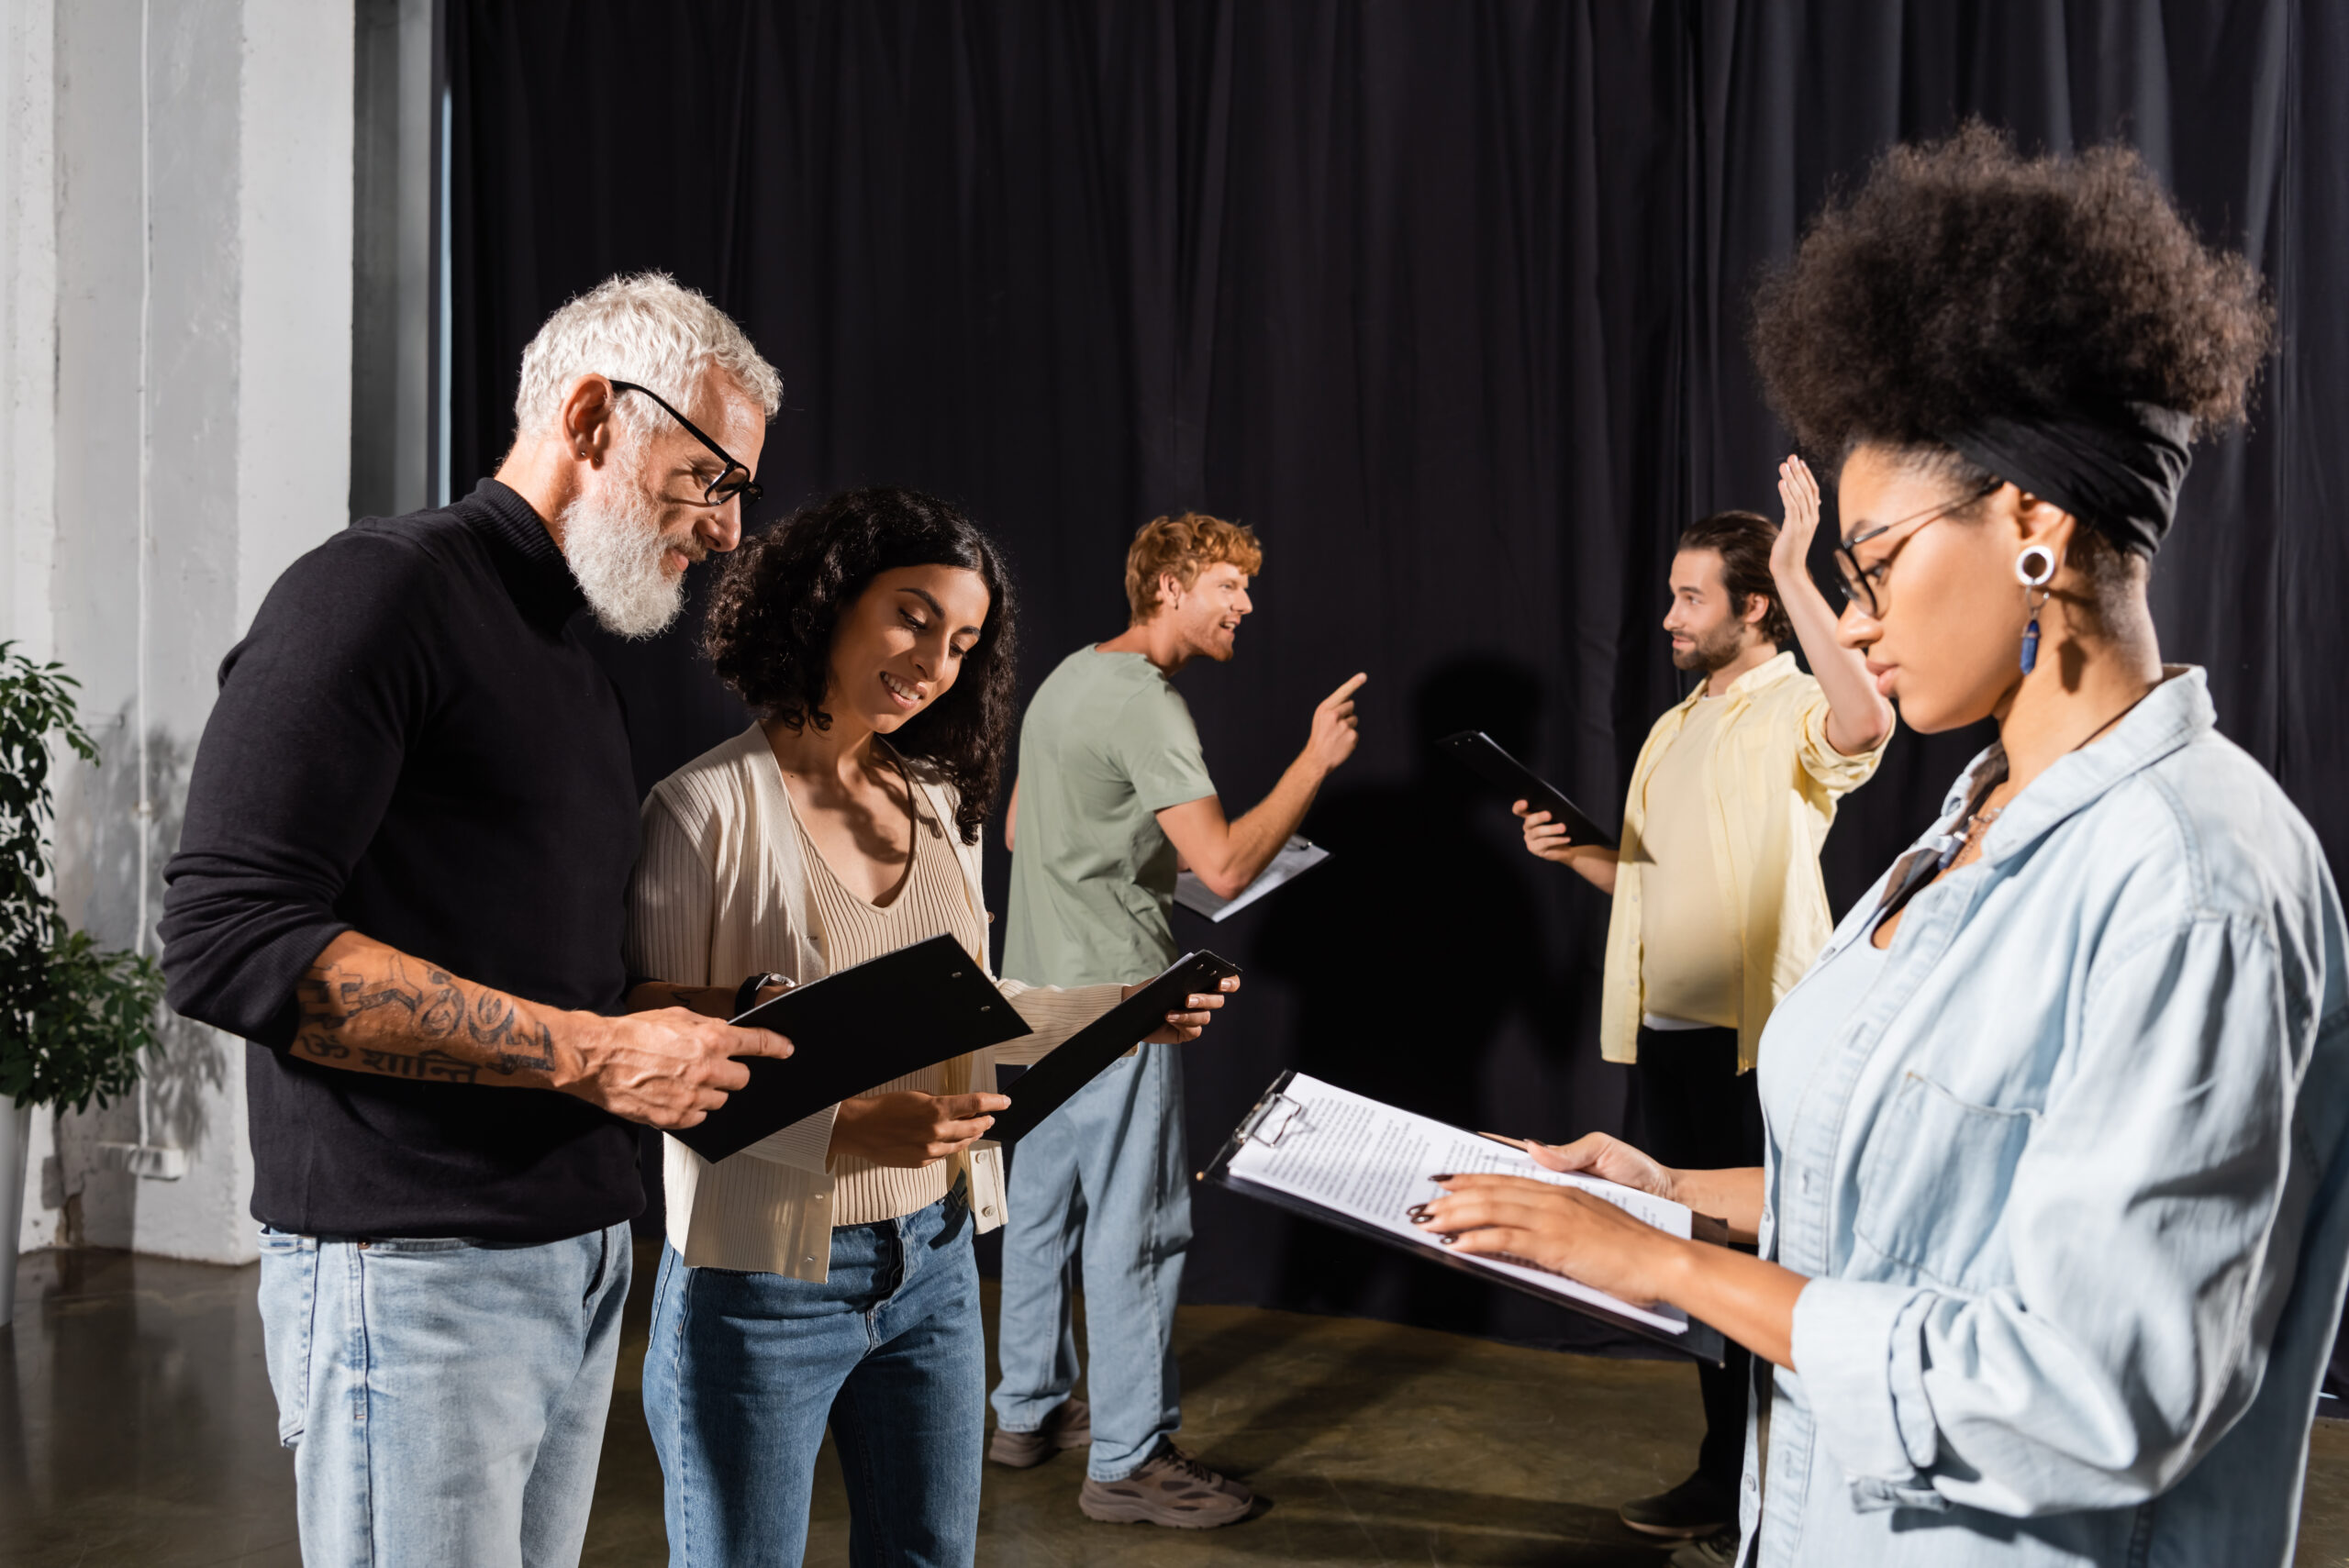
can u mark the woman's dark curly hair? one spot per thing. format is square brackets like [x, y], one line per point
[779, 601]
[1964, 280]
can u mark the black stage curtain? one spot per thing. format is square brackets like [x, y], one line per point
[1448, 300]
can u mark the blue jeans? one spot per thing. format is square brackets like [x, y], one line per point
[744, 1370]
[1099, 1187]
[444, 1399]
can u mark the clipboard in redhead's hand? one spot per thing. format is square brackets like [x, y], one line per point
[1078, 1060]
[1484, 756]
[1347, 1161]
[1296, 858]
[854, 1029]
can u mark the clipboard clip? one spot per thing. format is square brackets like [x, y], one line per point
[1271, 1118]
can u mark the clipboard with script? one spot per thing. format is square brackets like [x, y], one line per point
[1078, 1060]
[1484, 756]
[1296, 858]
[1344, 1160]
[852, 1030]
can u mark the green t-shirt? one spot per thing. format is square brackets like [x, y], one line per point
[1108, 744]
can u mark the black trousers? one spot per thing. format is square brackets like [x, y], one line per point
[1697, 1112]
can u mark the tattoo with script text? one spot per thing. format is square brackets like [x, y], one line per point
[410, 1019]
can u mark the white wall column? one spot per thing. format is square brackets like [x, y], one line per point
[198, 201]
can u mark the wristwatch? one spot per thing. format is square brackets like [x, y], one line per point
[748, 992]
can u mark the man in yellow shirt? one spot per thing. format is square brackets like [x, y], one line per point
[1719, 902]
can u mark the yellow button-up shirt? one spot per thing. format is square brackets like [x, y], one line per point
[1774, 781]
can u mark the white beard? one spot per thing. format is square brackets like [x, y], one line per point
[615, 549]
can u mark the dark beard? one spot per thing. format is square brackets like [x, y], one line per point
[1711, 652]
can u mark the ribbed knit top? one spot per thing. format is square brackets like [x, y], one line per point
[928, 901]
[721, 891]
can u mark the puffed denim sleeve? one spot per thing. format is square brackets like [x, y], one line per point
[2153, 1225]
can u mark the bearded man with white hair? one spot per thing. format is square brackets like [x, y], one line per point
[402, 878]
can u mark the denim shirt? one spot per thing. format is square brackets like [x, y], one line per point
[2068, 1181]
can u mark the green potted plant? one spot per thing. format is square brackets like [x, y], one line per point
[74, 1018]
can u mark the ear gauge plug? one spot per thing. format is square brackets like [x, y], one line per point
[2034, 569]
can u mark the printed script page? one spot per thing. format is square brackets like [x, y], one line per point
[1296, 858]
[1370, 1161]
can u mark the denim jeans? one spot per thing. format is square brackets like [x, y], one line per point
[444, 1399]
[1099, 1188]
[744, 1370]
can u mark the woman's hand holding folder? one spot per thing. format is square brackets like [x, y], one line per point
[908, 1130]
[1560, 1228]
[1184, 1028]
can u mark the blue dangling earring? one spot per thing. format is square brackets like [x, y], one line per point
[2034, 569]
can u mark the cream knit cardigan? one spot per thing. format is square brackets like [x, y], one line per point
[720, 892]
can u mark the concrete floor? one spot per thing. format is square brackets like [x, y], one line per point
[136, 1428]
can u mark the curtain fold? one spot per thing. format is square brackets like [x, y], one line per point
[1448, 298]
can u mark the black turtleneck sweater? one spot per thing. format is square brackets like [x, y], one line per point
[413, 743]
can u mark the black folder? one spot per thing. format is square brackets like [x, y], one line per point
[1701, 1342]
[1484, 757]
[856, 1028]
[1046, 1087]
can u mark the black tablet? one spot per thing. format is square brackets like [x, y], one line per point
[1046, 1087]
[1484, 757]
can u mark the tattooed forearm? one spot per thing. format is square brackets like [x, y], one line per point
[516, 1042]
[426, 1064]
[366, 1007]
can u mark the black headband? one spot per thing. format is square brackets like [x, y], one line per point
[2117, 471]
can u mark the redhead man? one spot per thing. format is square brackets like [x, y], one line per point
[1113, 788]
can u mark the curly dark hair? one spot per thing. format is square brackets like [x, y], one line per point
[1964, 280]
[780, 597]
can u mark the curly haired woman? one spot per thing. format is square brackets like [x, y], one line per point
[824, 1275]
[2052, 1230]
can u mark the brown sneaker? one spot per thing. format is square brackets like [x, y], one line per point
[1174, 1489]
[1069, 1426]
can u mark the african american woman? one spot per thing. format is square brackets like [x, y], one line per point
[2051, 1229]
